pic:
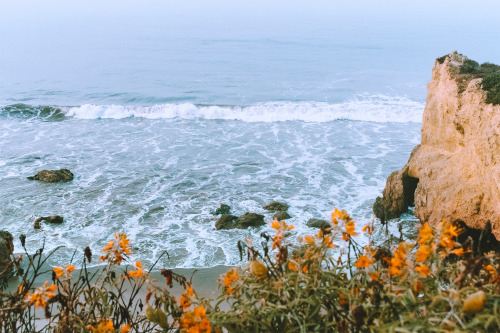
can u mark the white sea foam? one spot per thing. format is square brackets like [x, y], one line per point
[377, 108]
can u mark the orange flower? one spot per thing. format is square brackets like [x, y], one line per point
[293, 266]
[423, 253]
[195, 321]
[399, 259]
[490, 269]
[423, 270]
[64, 271]
[368, 229]
[349, 228]
[41, 295]
[185, 299]
[374, 276]
[116, 249]
[281, 226]
[342, 300]
[458, 251]
[363, 262]
[425, 234]
[309, 239]
[446, 239]
[200, 312]
[102, 327]
[229, 278]
[125, 328]
[138, 272]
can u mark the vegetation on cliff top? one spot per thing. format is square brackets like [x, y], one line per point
[433, 284]
[490, 73]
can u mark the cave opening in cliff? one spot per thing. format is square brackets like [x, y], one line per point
[409, 187]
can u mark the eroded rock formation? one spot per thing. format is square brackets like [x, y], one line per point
[53, 176]
[454, 174]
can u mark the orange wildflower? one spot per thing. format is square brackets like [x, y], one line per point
[342, 300]
[450, 232]
[125, 328]
[138, 272]
[349, 228]
[490, 269]
[374, 276]
[185, 299]
[368, 229]
[423, 270]
[281, 226]
[425, 234]
[423, 253]
[229, 278]
[64, 271]
[102, 327]
[195, 321]
[458, 251]
[309, 239]
[115, 250]
[399, 259]
[363, 262]
[293, 266]
[41, 295]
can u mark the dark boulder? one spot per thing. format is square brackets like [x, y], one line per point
[275, 206]
[53, 176]
[250, 220]
[317, 223]
[281, 215]
[56, 219]
[225, 222]
[51, 219]
[222, 210]
[6, 249]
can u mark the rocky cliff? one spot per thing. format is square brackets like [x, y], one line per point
[454, 174]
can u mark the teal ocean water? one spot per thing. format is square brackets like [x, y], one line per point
[164, 115]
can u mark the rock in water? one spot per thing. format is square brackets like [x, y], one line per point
[454, 174]
[275, 206]
[223, 209]
[6, 249]
[281, 215]
[51, 219]
[317, 223]
[53, 176]
[225, 222]
[250, 220]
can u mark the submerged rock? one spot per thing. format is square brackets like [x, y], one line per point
[225, 222]
[53, 176]
[454, 173]
[281, 215]
[317, 223]
[275, 206]
[250, 220]
[6, 249]
[56, 219]
[223, 209]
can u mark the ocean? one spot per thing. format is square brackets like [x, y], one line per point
[162, 119]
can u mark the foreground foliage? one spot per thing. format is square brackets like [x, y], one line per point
[325, 283]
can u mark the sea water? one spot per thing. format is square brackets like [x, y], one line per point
[161, 121]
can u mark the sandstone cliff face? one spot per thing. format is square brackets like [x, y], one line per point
[457, 164]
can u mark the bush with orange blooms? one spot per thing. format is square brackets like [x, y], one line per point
[319, 283]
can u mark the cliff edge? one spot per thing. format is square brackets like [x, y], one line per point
[454, 174]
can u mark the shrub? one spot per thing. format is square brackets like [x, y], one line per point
[432, 285]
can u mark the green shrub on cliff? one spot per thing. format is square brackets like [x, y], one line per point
[491, 83]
